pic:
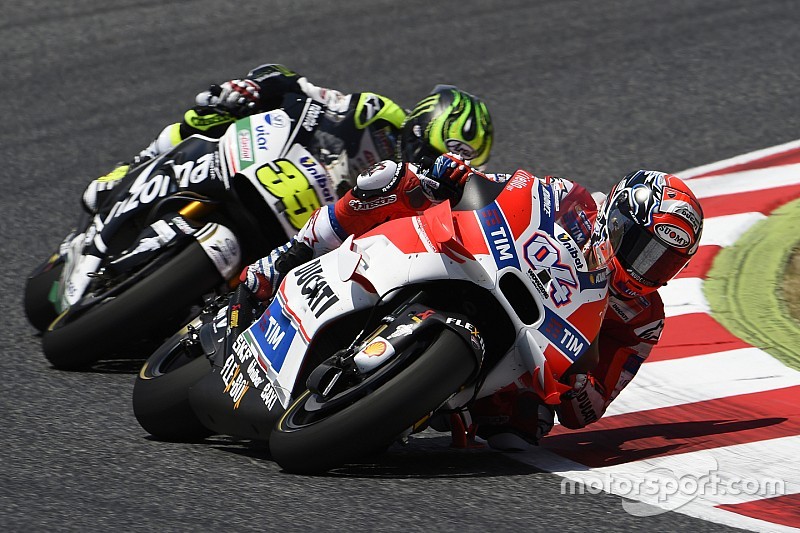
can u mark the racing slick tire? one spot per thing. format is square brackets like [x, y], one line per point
[157, 303]
[307, 442]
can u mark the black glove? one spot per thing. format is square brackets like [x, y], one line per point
[447, 177]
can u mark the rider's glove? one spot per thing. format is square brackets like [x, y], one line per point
[447, 177]
[261, 277]
[265, 275]
[583, 404]
[238, 97]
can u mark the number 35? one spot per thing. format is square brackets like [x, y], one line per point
[284, 180]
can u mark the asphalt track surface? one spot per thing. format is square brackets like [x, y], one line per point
[588, 90]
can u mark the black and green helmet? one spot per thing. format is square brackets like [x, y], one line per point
[448, 120]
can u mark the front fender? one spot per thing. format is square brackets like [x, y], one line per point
[417, 321]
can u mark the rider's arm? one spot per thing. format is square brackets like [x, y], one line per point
[209, 116]
[276, 81]
[587, 362]
[575, 207]
[627, 336]
[386, 191]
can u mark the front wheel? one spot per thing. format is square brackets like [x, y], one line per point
[308, 440]
[161, 391]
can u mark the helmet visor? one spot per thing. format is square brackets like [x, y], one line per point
[644, 257]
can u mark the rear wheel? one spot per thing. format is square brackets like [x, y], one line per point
[161, 391]
[312, 438]
[157, 304]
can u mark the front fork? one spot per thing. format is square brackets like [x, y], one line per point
[411, 323]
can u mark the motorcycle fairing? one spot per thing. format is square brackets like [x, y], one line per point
[292, 181]
[440, 244]
[255, 140]
[266, 343]
[193, 163]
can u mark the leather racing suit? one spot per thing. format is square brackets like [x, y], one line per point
[630, 329]
[352, 131]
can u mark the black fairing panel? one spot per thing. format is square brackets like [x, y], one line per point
[224, 411]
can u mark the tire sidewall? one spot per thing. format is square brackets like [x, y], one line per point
[161, 401]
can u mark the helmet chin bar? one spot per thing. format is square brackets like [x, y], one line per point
[627, 289]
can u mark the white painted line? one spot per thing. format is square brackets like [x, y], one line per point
[683, 296]
[739, 159]
[746, 181]
[703, 377]
[726, 230]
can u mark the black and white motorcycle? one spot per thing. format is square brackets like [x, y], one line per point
[175, 231]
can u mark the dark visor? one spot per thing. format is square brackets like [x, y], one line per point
[648, 260]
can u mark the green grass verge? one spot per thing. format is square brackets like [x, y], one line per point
[744, 285]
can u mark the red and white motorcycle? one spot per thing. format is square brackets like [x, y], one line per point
[362, 345]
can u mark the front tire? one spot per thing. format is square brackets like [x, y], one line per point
[307, 442]
[78, 339]
[161, 391]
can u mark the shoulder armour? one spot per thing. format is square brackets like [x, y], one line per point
[378, 179]
[371, 107]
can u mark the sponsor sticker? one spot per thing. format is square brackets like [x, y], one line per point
[315, 288]
[236, 386]
[245, 146]
[474, 335]
[499, 236]
[358, 205]
[542, 254]
[276, 120]
[673, 235]
[573, 250]
[563, 335]
[273, 333]
[311, 118]
[373, 354]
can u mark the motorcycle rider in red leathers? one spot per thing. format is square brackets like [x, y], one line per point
[645, 231]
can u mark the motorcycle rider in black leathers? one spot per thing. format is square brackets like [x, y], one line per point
[351, 133]
[354, 131]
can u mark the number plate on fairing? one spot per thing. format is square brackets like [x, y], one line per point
[291, 180]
